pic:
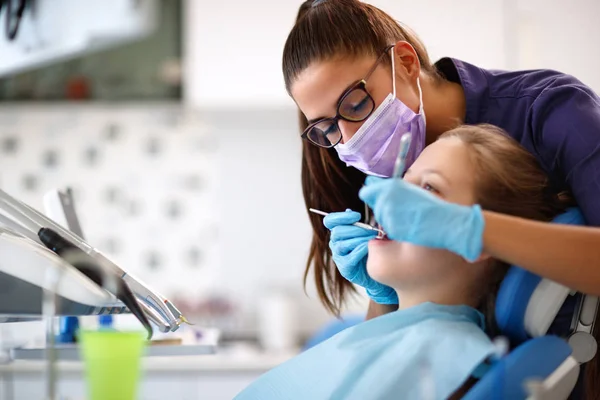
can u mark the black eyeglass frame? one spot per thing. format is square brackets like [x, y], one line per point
[360, 84]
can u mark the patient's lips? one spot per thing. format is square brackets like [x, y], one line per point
[381, 236]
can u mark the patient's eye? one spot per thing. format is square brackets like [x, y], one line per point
[429, 188]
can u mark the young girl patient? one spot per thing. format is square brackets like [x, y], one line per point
[438, 338]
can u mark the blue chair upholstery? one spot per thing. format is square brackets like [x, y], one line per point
[535, 358]
[517, 288]
[332, 328]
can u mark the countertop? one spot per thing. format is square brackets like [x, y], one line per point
[226, 361]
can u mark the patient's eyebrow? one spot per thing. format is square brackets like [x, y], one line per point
[436, 172]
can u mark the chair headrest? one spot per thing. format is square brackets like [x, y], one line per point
[522, 290]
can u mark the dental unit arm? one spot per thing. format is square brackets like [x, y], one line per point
[25, 221]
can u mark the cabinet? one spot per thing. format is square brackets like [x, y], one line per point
[214, 377]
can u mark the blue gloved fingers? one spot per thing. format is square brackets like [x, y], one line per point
[408, 213]
[353, 258]
[473, 247]
[349, 247]
[344, 232]
[345, 247]
[352, 266]
[387, 200]
[372, 193]
[371, 180]
[347, 217]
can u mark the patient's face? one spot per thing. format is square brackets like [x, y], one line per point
[443, 168]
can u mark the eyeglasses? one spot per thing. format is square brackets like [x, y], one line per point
[354, 105]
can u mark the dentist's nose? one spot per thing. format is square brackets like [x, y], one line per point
[348, 129]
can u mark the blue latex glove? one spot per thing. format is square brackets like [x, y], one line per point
[349, 247]
[408, 213]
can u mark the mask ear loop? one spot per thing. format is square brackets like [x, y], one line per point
[394, 82]
[393, 72]
[420, 96]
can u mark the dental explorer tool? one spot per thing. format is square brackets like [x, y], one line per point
[398, 173]
[400, 164]
[359, 224]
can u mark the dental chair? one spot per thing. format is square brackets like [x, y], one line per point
[546, 354]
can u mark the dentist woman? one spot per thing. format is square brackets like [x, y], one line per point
[361, 80]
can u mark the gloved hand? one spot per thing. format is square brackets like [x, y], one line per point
[349, 246]
[407, 213]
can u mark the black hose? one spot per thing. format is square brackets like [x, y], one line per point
[13, 19]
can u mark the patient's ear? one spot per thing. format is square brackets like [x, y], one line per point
[482, 258]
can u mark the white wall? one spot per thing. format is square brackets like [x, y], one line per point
[447, 28]
[558, 35]
[233, 52]
[233, 48]
[146, 198]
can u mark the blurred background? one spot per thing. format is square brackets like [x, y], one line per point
[183, 152]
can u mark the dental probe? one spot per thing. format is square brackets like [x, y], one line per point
[359, 224]
[400, 164]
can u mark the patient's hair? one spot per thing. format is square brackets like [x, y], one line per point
[509, 180]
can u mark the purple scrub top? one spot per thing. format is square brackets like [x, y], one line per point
[552, 115]
[555, 117]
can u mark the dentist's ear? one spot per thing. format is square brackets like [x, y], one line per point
[407, 60]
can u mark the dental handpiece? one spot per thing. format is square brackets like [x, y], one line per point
[169, 317]
[359, 224]
[400, 163]
[91, 269]
[149, 299]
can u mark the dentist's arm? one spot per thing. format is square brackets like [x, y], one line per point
[565, 132]
[566, 254]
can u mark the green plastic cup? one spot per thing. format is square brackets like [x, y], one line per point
[112, 363]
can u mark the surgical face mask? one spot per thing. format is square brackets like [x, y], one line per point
[374, 147]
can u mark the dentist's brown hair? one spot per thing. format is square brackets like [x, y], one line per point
[327, 29]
